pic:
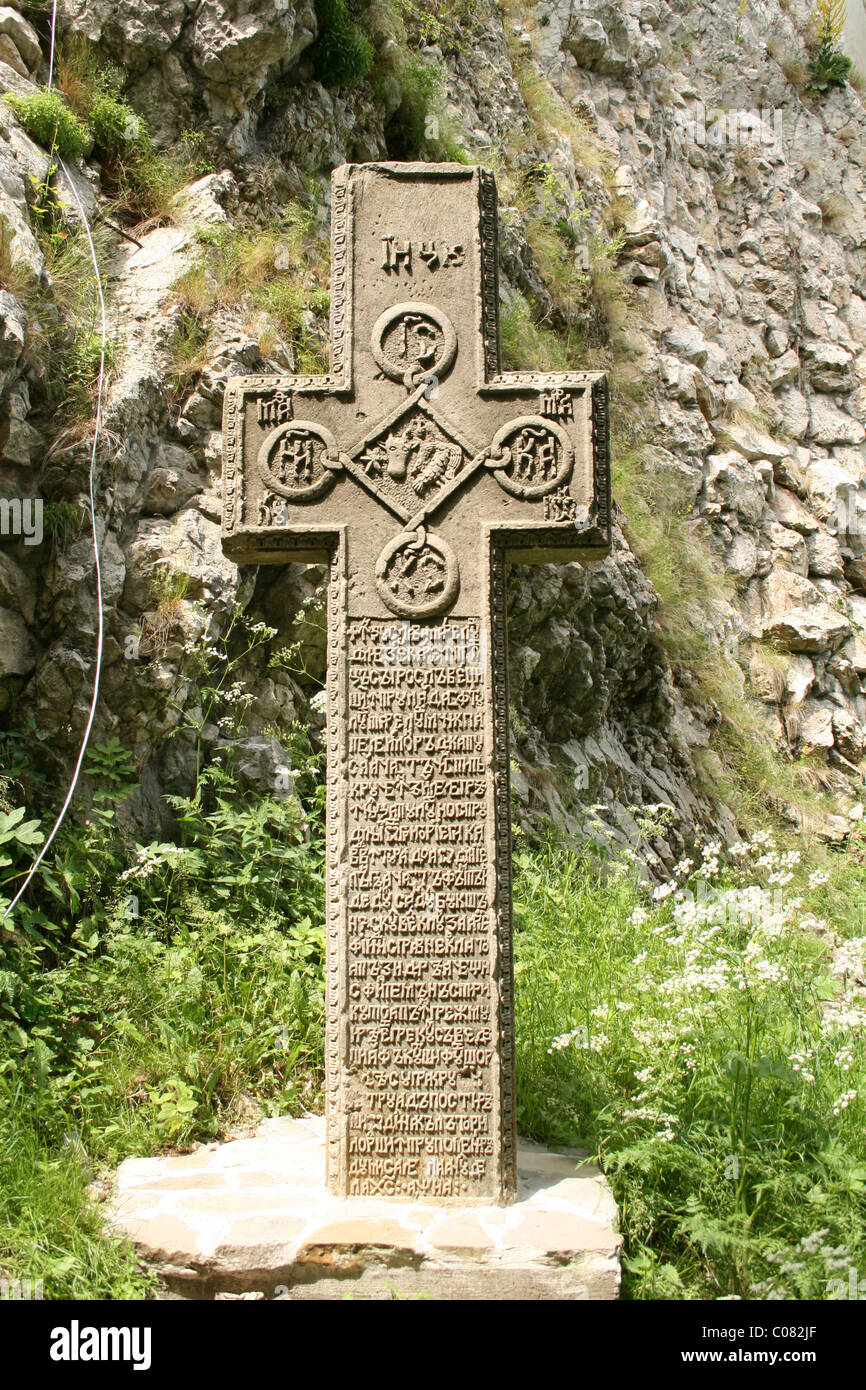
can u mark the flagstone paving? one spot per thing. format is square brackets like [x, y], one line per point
[255, 1215]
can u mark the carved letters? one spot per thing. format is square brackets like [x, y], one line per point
[397, 254]
[422, 1029]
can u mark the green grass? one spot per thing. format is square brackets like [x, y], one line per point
[49, 1227]
[275, 273]
[342, 54]
[527, 345]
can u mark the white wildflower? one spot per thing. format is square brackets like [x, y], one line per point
[843, 1102]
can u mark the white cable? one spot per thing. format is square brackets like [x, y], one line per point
[51, 50]
[99, 638]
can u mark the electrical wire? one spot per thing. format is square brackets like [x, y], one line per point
[96, 558]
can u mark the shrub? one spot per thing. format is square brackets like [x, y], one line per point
[829, 66]
[117, 131]
[49, 121]
[343, 54]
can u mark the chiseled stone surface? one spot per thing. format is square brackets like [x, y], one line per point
[255, 1215]
[415, 468]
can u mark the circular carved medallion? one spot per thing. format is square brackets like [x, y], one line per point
[531, 456]
[413, 341]
[298, 460]
[417, 575]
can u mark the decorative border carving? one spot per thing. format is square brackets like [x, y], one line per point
[601, 452]
[538, 381]
[233, 459]
[341, 283]
[252, 385]
[336, 923]
[503, 909]
[489, 238]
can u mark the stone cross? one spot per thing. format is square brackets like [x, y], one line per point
[415, 468]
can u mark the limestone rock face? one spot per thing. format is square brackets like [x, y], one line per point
[609, 38]
[13, 326]
[17, 650]
[19, 43]
[796, 617]
[23, 166]
[222, 51]
[742, 223]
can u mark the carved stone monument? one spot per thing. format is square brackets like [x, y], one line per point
[415, 468]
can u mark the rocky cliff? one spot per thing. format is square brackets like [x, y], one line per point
[680, 203]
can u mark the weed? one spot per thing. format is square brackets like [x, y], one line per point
[275, 273]
[168, 588]
[48, 120]
[829, 66]
[343, 54]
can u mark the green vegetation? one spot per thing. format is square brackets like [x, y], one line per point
[696, 1043]
[277, 273]
[741, 15]
[48, 1222]
[450, 28]
[47, 119]
[87, 110]
[829, 66]
[343, 54]
[381, 45]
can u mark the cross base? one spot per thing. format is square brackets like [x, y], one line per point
[254, 1217]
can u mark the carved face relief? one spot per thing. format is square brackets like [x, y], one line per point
[411, 462]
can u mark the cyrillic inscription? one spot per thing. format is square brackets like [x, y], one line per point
[421, 898]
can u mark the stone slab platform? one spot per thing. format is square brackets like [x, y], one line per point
[255, 1215]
